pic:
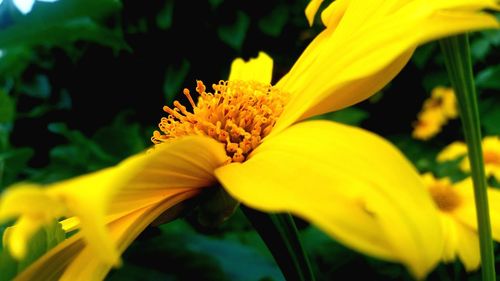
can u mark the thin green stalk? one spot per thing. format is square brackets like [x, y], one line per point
[458, 64]
[282, 238]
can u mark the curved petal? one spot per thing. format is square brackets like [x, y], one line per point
[311, 10]
[370, 44]
[139, 181]
[453, 151]
[72, 260]
[52, 264]
[353, 184]
[123, 231]
[258, 69]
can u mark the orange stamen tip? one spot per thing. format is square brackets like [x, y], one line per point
[238, 113]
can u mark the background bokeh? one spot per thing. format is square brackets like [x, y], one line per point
[83, 83]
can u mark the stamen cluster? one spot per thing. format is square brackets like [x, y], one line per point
[238, 113]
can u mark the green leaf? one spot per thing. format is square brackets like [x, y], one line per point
[8, 266]
[81, 151]
[282, 238]
[273, 23]
[489, 78]
[433, 79]
[165, 16]
[7, 108]
[62, 21]
[174, 251]
[458, 63]
[234, 33]
[14, 162]
[490, 116]
[39, 88]
[215, 3]
[422, 54]
[174, 79]
[121, 139]
[40, 243]
[480, 48]
[14, 60]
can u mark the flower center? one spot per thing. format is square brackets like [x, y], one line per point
[445, 197]
[491, 157]
[238, 114]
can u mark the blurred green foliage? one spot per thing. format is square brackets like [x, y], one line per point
[82, 84]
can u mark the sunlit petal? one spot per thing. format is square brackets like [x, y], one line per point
[258, 69]
[353, 184]
[312, 9]
[370, 44]
[452, 151]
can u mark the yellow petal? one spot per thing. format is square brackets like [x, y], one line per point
[70, 224]
[369, 46]
[333, 13]
[72, 260]
[468, 247]
[172, 167]
[354, 185]
[450, 238]
[28, 199]
[123, 231]
[452, 151]
[466, 213]
[429, 123]
[258, 69]
[52, 264]
[33, 207]
[311, 10]
[139, 181]
[20, 235]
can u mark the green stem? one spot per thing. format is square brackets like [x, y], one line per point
[458, 64]
[282, 238]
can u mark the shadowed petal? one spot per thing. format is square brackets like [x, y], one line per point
[73, 260]
[137, 182]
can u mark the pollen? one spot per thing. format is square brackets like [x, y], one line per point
[444, 195]
[238, 114]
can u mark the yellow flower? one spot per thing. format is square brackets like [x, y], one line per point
[491, 155]
[455, 202]
[353, 184]
[435, 113]
[429, 124]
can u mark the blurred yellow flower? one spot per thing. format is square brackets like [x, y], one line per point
[436, 111]
[455, 202]
[491, 155]
[243, 135]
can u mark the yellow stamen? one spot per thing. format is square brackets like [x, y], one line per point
[238, 113]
